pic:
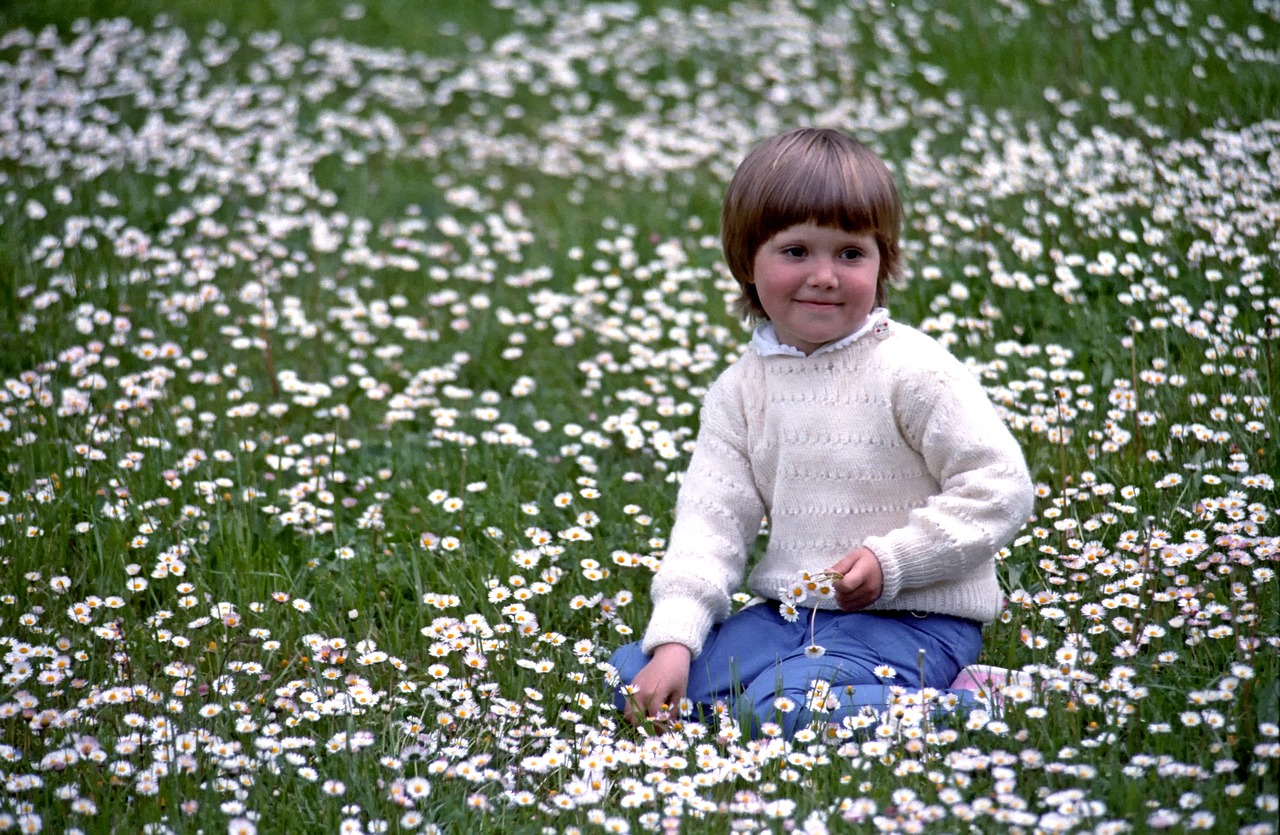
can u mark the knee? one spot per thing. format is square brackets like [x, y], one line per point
[795, 708]
[771, 702]
[628, 660]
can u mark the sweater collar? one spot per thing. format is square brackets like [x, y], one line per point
[766, 344]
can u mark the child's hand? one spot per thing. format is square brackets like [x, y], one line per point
[661, 684]
[863, 580]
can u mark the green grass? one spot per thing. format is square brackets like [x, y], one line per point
[348, 371]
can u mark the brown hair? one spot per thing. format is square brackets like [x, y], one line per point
[808, 175]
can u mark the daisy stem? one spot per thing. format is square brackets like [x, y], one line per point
[925, 708]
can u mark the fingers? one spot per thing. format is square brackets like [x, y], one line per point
[846, 562]
[862, 581]
[660, 685]
[852, 600]
[647, 706]
[856, 598]
[654, 692]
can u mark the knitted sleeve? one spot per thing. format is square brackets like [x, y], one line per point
[985, 491]
[718, 514]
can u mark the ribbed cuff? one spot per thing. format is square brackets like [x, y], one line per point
[677, 620]
[891, 572]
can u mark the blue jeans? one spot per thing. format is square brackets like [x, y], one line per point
[755, 656]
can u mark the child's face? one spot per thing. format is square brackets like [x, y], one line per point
[817, 283]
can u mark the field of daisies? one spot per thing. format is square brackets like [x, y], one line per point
[351, 355]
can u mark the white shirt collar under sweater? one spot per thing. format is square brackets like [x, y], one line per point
[765, 338]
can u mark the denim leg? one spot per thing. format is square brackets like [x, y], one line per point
[747, 645]
[736, 652]
[755, 656]
[855, 645]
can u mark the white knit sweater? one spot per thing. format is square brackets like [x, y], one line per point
[886, 441]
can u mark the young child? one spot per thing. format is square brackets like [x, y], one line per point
[872, 452]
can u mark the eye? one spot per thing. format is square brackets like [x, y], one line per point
[794, 251]
[851, 254]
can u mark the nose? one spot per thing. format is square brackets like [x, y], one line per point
[823, 273]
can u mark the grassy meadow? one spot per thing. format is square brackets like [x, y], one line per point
[352, 351]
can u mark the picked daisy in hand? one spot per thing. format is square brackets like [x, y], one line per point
[813, 586]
